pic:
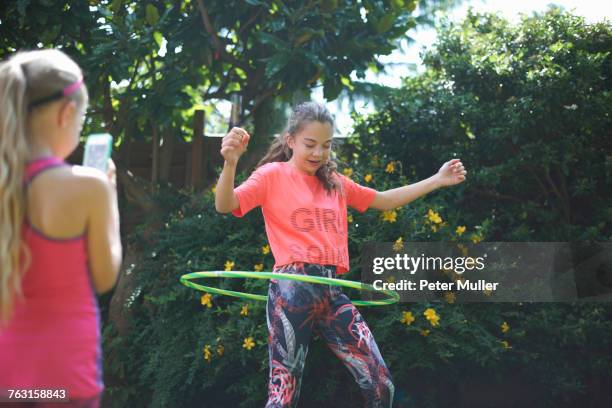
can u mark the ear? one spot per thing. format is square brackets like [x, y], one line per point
[290, 140]
[66, 114]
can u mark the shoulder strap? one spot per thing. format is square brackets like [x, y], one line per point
[35, 167]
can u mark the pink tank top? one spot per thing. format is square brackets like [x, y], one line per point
[53, 339]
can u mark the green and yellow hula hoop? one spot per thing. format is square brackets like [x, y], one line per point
[392, 296]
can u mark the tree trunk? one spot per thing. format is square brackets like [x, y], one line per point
[167, 152]
[196, 150]
[118, 312]
[155, 150]
[261, 138]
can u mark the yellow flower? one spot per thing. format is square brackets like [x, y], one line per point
[248, 343]
[229, 265]
[460, 230]
[505, 327]
[407, 318]
[432, 316]
[390, 167]
[205, 300]
[348, 172]
[368, 178]
[434, 217]
[389, 216]
[244, 311]
[214, 189]
[505, 344]
[265, 249]
[424, 333]
[258, 267]
[349, 218]
[450, 297]
[476, 238]
[399, 244]
[220, 350]
[207, 353]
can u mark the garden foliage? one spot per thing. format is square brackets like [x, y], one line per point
[526, 107]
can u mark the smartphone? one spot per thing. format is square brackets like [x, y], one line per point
[236, 100]
[98, 148]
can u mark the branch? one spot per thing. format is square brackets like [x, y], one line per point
[215, 38]
[251, 21]
[564, 201]
[563, 182]
[208, 26]
[270, 92]
[565, 193]
[221, 89]
[107, 109]
[134, 74]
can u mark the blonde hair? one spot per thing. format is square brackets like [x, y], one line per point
[279, 150]
[25, 78]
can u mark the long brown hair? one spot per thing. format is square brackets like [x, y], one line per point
[24, 78]
[280, 151]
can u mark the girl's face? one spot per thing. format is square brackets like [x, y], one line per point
[311, 146]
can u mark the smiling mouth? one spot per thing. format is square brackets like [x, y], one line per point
[313, 162]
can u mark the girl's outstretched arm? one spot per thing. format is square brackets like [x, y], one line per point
[451, 173]
[232, 147]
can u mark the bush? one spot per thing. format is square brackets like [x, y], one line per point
[502, 98]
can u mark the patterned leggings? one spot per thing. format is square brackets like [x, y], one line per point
[294, 310]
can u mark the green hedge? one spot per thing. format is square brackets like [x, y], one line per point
[511, 138]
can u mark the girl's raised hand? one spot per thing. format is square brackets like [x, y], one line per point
[234, 144]
[452, 172]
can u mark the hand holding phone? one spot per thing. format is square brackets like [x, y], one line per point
[98, 150]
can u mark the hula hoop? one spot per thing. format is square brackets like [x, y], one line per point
[393, 297]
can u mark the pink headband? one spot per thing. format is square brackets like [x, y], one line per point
[70, 89]
[67, 91]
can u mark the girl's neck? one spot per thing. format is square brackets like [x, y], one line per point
[42, 137]
[38, 152]
[292, 163]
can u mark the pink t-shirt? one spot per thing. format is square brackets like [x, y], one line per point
[303, 222]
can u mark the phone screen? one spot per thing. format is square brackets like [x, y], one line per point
[97, 151]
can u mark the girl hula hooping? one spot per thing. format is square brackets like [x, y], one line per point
[59, 238]
[304, 203]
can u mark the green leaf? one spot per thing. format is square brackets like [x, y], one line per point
[331, 88]
[385, 23]
[158, 37]
[277, 63]
[151, 14]
[302, 38]
[397, 5]
[270, 39]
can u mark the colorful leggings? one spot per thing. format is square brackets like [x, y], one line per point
[294, 310]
